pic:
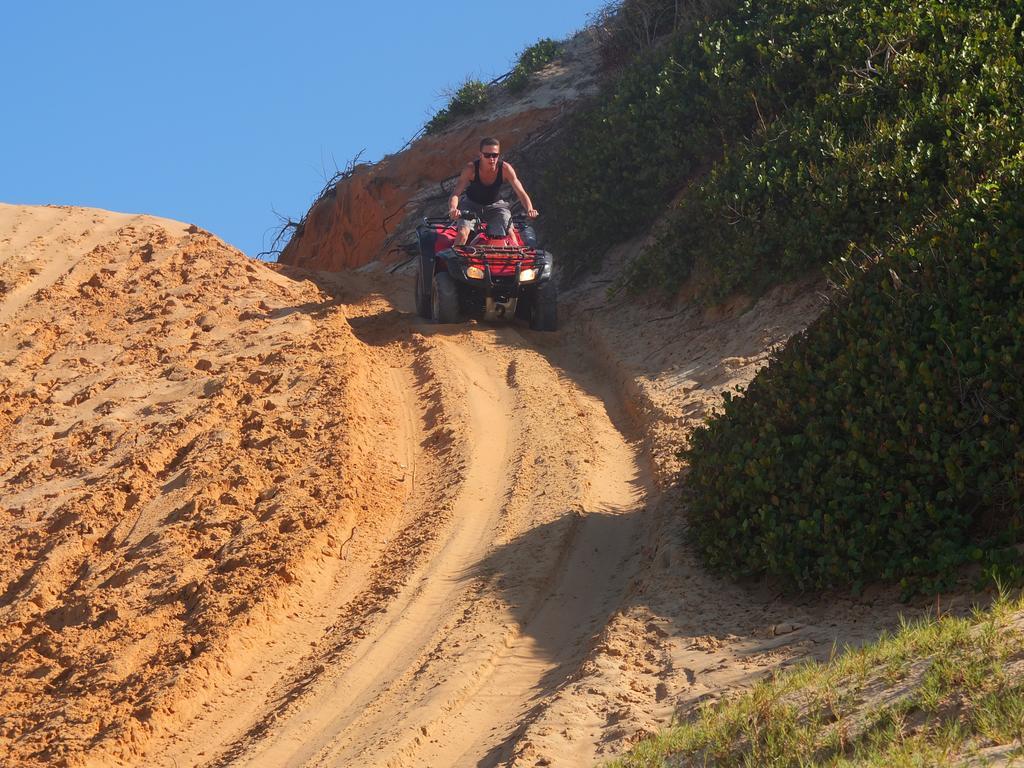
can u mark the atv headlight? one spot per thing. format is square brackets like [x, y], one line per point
[527, 275]
[474, 272]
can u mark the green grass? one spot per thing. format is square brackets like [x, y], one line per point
[467, 99]
[473, 95]
[932, 693]
[532, 59]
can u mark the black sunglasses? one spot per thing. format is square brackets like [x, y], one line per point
[490, 155]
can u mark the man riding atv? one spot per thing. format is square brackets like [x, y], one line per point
[481, 182]
[499, 274]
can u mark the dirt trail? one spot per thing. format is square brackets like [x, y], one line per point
[417, 613]
[471, 718]
[532, 496]
[275, 519]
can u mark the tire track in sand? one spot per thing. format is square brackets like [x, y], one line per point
[585, 584]
[593, 581]
[530, 491]
[467, 681]
[395, 644]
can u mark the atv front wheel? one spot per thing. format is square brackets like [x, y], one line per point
[444, 299]
[423, 308]
[544, 308]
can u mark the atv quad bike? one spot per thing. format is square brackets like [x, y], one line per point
[498, 275]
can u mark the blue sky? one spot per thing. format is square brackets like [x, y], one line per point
[215, 113]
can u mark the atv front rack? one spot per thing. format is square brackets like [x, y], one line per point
[496, 250]
[500, 263]
[500, 260]
[518, 219]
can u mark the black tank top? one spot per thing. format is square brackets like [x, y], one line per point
[484, 194]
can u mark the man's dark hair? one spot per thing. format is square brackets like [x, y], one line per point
[489, 141]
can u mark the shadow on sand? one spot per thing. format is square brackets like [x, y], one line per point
[586, 566]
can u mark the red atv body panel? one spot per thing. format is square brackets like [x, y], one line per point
[501, 254]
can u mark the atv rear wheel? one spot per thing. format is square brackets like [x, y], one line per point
[544, 308]
[444, 299]
[423, 308]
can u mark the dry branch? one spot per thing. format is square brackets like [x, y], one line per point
[289, 229]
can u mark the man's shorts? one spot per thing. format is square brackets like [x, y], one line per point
[499, 209]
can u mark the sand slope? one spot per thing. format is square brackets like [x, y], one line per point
[161, 490]
[261, 518]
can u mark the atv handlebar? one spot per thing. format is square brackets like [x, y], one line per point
[467, 215]
[519, 219]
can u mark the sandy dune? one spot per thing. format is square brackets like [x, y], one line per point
[181, 454]
[257, 520]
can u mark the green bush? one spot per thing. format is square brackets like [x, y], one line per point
[801, 130]
[534, 58]
[625, 28]
[467, 99]
[676, 108]
[884, 442]
[891, 141]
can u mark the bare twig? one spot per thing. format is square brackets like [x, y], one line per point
[285, 229]
[760, 117]
[666, 317]
[887, 50]
[401, 264]
[289, 229]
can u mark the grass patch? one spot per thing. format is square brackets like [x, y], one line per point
[932, 693]
[469, 97]
[473, 95]
[532, 59]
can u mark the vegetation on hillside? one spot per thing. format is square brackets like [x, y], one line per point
[469, 97]
[913, 105]
[532, 59]
[884, 442]
[881, 141]
[935, 693]
[473, 94]
[626, 29]
[804, 130]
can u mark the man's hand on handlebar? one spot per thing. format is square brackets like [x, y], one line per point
[453, 213]
[532, 213]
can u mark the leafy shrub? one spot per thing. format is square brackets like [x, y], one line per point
[884, 442]
[533, 59]
[626, 28]
[934, 108]
[803, 131]
[661, 121]
[467, 99]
